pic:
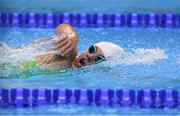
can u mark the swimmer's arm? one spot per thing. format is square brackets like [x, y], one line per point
[46, 58]
[68, 44]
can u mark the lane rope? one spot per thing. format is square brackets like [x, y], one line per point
[145, 98]
[51, 20]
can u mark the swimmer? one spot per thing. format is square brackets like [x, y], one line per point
[67, 46]
[62, 55]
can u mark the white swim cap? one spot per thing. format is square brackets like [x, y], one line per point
[109, 48]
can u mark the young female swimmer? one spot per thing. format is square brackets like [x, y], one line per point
[67, 47]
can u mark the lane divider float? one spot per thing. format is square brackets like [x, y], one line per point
[145, 98]
[51, 20]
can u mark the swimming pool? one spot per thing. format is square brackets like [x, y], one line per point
[151, 61]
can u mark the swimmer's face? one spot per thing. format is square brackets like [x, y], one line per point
[93, 55]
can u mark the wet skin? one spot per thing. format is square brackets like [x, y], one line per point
[67, 45]
[87, 58]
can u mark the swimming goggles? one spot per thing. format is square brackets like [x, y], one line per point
[93, 50]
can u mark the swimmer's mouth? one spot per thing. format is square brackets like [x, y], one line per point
[82, 61]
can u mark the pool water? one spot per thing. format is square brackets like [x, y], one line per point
[90, 6]
[151, 56]
[151, 60]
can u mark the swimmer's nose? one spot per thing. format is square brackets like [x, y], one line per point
[90, 59]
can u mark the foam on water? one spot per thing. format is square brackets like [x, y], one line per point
[138, 56]
[29, 52]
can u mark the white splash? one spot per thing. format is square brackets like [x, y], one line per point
[28, 52]
[138, 56]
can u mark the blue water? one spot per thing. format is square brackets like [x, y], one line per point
[158, 74]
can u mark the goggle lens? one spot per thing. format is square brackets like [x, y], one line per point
[92, 49]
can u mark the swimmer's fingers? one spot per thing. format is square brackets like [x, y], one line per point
[65, 48]
[62, 38]
[67, 52]
[61, 44]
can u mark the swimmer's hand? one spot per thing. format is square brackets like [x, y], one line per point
[67, 44]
